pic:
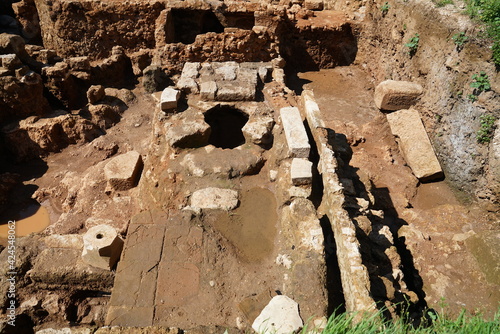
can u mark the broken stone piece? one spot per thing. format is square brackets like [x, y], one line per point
[295, 132]
[396, 95]
[188, 85]
[214, 198]
[301, 171]
[169, 98]
[102, 247]
[415, 144]
[258, 130]
[280, 316]
[10, 61]
[190, 70]
[313, 4]
[187, 132]
[122, 172]
[95, 93]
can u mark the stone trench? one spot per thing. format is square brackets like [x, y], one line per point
[207, 191]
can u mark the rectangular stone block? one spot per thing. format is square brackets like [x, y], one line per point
[169, 98]
[208, 90]
[301, 171]
[395, 95]
[415, 144]
[235, 91]
[295, 133]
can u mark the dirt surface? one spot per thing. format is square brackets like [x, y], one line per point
[443, 259]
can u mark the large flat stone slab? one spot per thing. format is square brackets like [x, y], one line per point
[122, 172]
[415, 144]
[295, 132]
[396, 95]
[214, 198]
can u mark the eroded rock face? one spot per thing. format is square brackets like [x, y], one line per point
[34, 136]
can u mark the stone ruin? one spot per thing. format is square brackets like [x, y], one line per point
[169, 232]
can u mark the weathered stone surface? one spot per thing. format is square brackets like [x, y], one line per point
[235, 91]
[295, 132]
[415, 144]
[208, 90]
[62, 266]
[122, 172]
[190, 70]
[79, 63]
[169, 98]
[226, 71]
[313, 4]
[395, 95]
[74, 241]
[133, 297]
[95, 93]
[301, 171]
[66, 330]
[258, 130]
[280, 316]
[188, 129]
[214, 198]
[494, 157]
[102, 247]
[188, 85]
[10, 61]
[137, 330]
[279, 75]
[355, 278]
[243, 160]
[35, 136]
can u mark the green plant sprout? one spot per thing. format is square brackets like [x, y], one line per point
[442, 3]
[413, 44]
[385, 8]
[459, 39]
[481, 82]
[485, 132]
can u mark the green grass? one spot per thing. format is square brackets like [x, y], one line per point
[442, 3]
[441, 324]
[488, 11]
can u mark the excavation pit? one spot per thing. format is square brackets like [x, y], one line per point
[226, 123]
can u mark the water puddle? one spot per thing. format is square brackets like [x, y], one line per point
[34, 218]
[251, 228]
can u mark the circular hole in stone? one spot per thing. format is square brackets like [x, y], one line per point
[226, 123]
[99, 236]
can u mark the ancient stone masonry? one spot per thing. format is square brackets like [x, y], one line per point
[190, 181]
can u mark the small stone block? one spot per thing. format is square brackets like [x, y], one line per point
[169, 99]
[301, 171]
[395, 95]
[208, 90]
[295, 133]
[415, 144]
